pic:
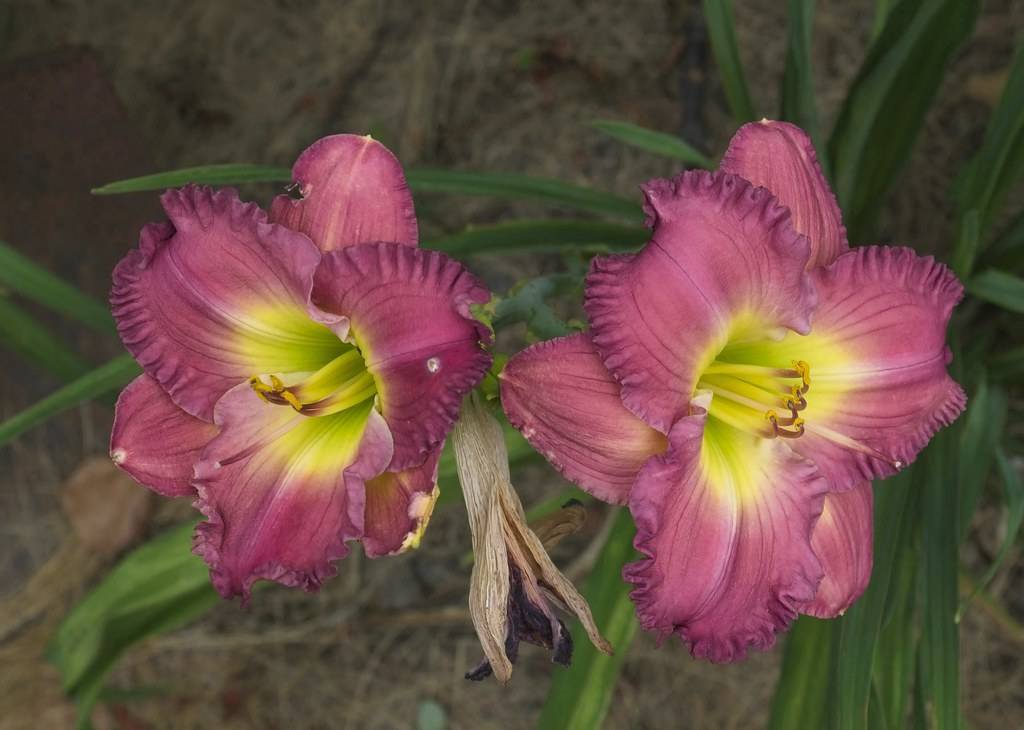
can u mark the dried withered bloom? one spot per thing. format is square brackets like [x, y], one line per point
[514, 584]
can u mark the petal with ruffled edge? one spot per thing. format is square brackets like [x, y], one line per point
[567, 405]
[217, 295]
[879, 388]
[351, 190]
[398, 508]
[723, 263]
[780, 156]
[155, 441]
[409, 314]
[724, 520]
[282, 492]
[842, 540]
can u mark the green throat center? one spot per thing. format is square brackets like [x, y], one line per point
[340, 384]
[768, 402]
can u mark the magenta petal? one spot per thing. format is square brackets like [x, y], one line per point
[398, 507]
[155, 441]
[282, 492]
[409, 314]
[568, 406]
[352, 190]
[723, 255]
[780, 156]
[842, 540]
[886, 310]
[191, 303]
[725, 568]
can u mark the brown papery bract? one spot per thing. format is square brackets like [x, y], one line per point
[514, 581]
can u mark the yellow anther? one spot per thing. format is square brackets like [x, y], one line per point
[804, 371]
[771, 416]
[259, 386]
[276, 382]
[291, 399]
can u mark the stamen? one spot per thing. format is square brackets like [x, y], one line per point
[340, 384]
[804, 371]
[777, 426]
[744, 393]
[727, 368]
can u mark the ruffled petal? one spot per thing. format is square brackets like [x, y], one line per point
[842, 540]
[216, 295]
[879, 388]
[155, 441]
[351, 190]
[723, 263]
[409, 314]
[780, 156]
[398, 508]
[282, 492]
[568, 406]
[724, 520]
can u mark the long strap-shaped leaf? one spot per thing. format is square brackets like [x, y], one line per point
[721, 30]
[885, 109]
[31, 339]
[798, 80]
[579, 696]
[659, 143]
[27, 278]
[539, 236]
[940, 636]
[803, 689]
[1000, 162]
[102, 380]
[499, 185]
[1000, 288]
[861, 626]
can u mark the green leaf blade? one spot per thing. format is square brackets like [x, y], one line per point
[801, 695]
[861, 627]
[531, 236]
[885, 109]
[29, 338]
[1000, 288]
[721, 29]
[660, 143]
[104, 379]
[798, 104]
[580, 695]
[512, 186]
[25, 277]
[940, 651]
[226, 174]
[155, 588]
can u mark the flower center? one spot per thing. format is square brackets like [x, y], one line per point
[340, 384]
[765, 401]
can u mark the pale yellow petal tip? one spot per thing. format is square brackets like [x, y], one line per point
[118, 456]
[420, 510]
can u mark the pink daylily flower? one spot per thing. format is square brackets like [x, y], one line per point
[746, 375]
[302, 368]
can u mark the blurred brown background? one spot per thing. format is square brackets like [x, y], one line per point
[101, 90]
